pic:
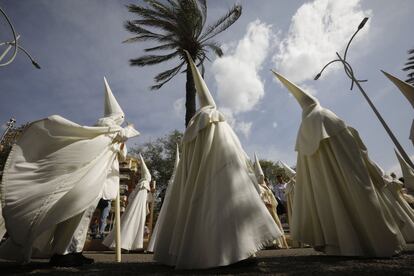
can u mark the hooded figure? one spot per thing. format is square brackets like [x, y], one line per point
[133, 219]
[338, 207]
[53, 179]
[408, 91]
[290, 187]
[269, 200]
[161, 215]
[214, 216]
[408, 173]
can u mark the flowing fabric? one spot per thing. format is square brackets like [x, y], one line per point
[132, 222]
[268, 199]
[339, 206]
[402, 208]
[53, 174]
[336, 206]
[271, 204]
[214, 214]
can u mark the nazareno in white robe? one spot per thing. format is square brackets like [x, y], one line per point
[337, 207]
[133, 219]
[55, 174]
[214, 216]
[407, 90]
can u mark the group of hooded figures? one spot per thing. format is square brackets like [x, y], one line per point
[213, 212]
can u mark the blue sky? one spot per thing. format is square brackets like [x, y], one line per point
[78, 42]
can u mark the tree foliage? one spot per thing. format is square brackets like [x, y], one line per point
[159, 156]
[271, 169]
[409, 66]
[177, 25]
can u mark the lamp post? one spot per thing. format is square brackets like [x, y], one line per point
[14, 44]
[350, 73]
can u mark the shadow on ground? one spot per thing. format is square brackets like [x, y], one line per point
[280, 265]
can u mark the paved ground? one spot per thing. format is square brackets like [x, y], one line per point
[270, 262]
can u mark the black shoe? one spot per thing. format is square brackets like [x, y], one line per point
[70, 260]
[84, 259]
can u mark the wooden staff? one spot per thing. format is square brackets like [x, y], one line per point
[151, 219]
[118, 228]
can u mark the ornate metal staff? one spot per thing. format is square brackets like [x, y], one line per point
[9, 124]
[14, 44]
[350, 73]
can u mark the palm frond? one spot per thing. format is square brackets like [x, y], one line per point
[167, 46]
[165, 10]
[136, 29]
[172, 75]
[157, 23]
[215, 47]
[408, 68]
[203, 5]
[168, 73]
[152, 59]
[189, 19]
[147, 12]
[147, 37]
[222, 23]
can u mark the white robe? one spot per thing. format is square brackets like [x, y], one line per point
[402, 209]
[214, 214]
[56, 171]
[337, 207]
[133, 219]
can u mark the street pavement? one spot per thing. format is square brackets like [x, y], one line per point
[300, 261]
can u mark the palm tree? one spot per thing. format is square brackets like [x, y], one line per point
[177, 25]
[410, 66]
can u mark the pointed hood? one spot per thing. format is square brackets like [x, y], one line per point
[145, 173]
[258, 170]
[112, 108]
[407, 171]
[304, 99]
[405, 88]
[288, 170]
[203, 93]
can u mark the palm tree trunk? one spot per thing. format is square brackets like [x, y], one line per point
[190, 95]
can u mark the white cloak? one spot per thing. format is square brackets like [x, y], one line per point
[53, 174]
[336, 206]
[214, 215]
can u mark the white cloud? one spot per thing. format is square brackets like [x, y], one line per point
[318, 30]
[244, 128]
[179, 107]
[241, 127]
[274, 124]
[239, 87]
[238, 83]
